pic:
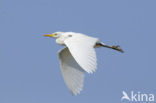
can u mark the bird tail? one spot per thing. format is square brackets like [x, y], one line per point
[114, 47]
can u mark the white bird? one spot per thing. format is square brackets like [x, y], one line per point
[78, 56]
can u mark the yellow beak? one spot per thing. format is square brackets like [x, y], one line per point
[50, 35]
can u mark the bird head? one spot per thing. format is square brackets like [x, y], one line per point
[54, 35]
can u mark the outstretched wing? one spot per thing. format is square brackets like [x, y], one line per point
[72, 73]
[82, 49]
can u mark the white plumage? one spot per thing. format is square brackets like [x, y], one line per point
[78, 56]
[82, 49]
[72, 73]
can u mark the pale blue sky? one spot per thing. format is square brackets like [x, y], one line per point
[29, 67]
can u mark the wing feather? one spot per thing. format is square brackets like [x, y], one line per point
[82, 49]
[72, 73]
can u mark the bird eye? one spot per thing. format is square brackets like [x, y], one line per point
[69, 35]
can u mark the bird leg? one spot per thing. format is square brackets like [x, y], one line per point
[114, 47]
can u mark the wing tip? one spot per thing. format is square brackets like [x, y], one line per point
[76, 92]
[91, 71]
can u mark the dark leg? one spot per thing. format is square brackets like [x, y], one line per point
[115, 47]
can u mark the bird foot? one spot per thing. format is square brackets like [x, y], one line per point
[117, 47]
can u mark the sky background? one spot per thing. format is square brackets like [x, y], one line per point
[29, 66]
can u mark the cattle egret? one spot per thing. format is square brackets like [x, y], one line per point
[78, 56]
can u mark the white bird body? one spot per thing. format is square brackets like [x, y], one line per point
[78, 56]
[76, 36]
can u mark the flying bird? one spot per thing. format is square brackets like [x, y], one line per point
[77, 57]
